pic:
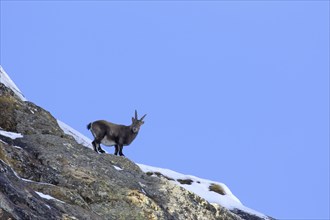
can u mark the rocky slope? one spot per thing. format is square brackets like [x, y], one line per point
[46, 174]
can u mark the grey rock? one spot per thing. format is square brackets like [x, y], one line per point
[82, 184]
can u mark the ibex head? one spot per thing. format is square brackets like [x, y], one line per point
[136, 123]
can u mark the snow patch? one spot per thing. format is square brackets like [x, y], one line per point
[5, 79]
[201, 187]
[45, 196]
[3, 141]
[25, 180]
[117, 168]
[11, 135]
[80, 138]
[17, 147]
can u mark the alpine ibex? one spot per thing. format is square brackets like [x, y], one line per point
[111, 134]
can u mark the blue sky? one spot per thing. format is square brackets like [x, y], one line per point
[236, 92]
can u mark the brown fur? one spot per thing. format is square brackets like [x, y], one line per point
[111, 134]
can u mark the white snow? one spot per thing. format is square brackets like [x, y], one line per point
[80, 138]
[200, 187]
[11, 135]
[45, 196]
[5, 79]
[117, 168]
[17, 147]
[31, 181]
[26, 180]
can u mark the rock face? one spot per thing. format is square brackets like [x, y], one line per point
[46, 174]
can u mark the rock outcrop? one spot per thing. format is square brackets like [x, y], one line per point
[46, 174]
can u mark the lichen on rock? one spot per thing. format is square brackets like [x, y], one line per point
[83, 184]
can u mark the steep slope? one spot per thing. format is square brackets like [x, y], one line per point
[46, 173]
[214, 192]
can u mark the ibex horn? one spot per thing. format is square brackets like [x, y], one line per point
[143, 117]
[136, 117]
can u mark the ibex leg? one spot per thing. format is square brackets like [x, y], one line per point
[97, 146]
[121, 150]
[116, 149]
[94, 146]
[100, 149]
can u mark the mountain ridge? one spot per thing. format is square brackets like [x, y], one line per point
[42, 158]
